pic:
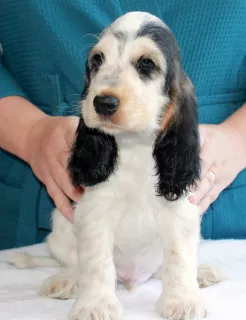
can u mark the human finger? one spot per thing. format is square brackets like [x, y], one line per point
[64, 182]
[62, 203]
[203, 187]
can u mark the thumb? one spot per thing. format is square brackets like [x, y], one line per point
[72, 127]
[202, 133]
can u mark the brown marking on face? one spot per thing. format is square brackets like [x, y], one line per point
[124, 116]
[169, 112]
[128, 105]
[172, 108]
[168, 117]
[123, 94]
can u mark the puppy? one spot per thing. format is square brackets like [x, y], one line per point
[137, 152]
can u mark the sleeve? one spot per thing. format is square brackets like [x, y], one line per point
[8, 85]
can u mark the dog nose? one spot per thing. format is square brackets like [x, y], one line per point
[106, 105]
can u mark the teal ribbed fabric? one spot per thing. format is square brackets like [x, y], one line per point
[45, 45]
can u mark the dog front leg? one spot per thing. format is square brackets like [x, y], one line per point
[97, 277]
[180, 231]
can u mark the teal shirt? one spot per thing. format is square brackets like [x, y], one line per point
[45, 46]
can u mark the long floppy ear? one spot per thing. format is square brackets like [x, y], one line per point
[177, 147]
[94, 153]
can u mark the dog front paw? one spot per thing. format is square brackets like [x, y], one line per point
[177, 308]
[103, 310]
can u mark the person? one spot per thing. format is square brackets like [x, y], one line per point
[44, 49]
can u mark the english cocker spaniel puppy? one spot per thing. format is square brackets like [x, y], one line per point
[137, 152]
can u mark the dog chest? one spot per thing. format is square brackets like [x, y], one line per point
[137, 248]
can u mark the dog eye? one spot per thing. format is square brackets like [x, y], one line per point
[145, 67]
[146, 64]
[96, 61]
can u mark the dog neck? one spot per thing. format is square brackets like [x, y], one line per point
[129, 140]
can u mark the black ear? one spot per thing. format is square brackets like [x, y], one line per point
[93, 156]
[177, 147]
[94, 153]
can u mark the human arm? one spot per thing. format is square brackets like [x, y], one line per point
[223, 157]
[44, 143]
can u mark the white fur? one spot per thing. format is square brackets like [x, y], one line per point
[123, 221]
[133, 20]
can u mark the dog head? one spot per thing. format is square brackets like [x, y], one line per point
[135, 84]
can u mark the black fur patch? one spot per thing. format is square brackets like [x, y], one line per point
[94, 153]
[93, 156]
[177, 150]
[168, 45]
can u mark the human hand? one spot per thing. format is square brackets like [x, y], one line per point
[223, 156]
[49, 144]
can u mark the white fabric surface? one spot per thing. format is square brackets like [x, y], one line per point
[226, 301]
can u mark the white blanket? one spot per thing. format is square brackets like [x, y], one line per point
[226, 301]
